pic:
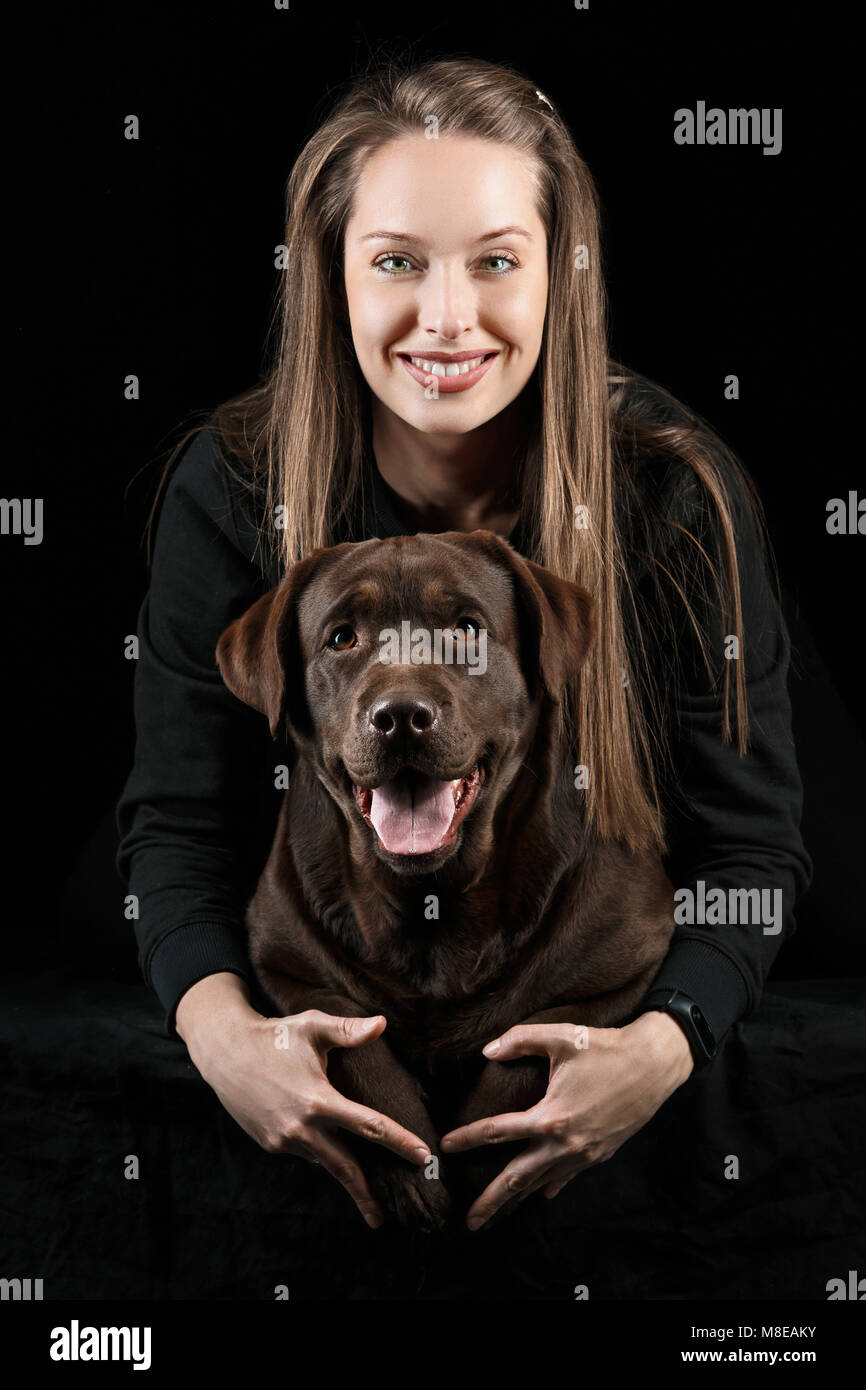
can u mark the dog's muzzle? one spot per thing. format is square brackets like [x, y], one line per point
[414, 813]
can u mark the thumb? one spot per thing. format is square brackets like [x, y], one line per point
[524, 1040]
[351, 1032]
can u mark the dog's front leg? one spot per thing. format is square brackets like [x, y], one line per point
[371, 1075]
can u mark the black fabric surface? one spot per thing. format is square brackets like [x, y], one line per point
[90, 1078]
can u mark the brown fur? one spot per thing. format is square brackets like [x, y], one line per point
[537, 922]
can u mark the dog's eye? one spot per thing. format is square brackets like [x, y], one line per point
[463, 623]
[341, 639]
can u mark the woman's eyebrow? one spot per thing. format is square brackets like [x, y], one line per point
[407, 236]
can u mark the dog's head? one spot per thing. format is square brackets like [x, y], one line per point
[412, 673]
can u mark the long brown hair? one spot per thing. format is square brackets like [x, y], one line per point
[298, 438]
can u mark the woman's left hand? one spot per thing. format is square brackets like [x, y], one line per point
[604, 1085]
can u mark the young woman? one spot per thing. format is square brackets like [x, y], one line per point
[442, 216]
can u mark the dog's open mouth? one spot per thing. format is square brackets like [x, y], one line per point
[413, 813]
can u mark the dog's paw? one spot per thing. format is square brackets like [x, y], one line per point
[410, 1198]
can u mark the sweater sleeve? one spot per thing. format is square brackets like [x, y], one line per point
[733, 822]
[201, 790]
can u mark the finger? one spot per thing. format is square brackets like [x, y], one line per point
[495, 1129]
[335, 1157]
[554, 1174]
[537, 1040]
[570, 1166]
[535, 1162]
[558, 1177]
[371, 1124]
[337, 1030]
[553, 1189]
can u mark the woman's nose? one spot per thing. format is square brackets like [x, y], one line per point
[448, 303]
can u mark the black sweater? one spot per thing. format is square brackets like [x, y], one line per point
[198, 812]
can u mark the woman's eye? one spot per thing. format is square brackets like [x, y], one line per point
[509, 262]
[380, 265]
[341, 639]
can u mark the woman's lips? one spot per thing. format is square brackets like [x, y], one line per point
[446, 384]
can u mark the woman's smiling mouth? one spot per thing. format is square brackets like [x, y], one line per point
[450, 371]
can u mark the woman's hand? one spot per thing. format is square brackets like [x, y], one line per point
[604, 1084]
[282, 1096]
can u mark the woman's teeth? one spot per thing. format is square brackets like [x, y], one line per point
[446, 369]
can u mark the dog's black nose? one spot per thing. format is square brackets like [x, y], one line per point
[403, 714]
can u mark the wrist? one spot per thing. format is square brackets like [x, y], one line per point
[210, 1006]
[666, 1042]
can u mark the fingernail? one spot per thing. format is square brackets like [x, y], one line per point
[474, 1223]
[422, 1155]
[446, 1144]
[373, 1218]
[491, 1048]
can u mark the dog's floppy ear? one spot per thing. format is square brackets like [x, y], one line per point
[555, 616]
[259, 655]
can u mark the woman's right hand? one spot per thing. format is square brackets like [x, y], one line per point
[282, 1096]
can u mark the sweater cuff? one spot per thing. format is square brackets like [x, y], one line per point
[710, 978]
[188, 954]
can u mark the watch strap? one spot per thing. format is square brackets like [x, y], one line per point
[691, 1018]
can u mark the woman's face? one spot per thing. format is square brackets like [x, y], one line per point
[446, 259]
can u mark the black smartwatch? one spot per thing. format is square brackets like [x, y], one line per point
[690, 1018]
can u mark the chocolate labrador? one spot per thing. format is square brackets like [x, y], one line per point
[430, 861]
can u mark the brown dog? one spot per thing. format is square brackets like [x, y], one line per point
[430, 862]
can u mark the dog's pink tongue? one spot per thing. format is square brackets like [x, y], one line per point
[411, 817]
